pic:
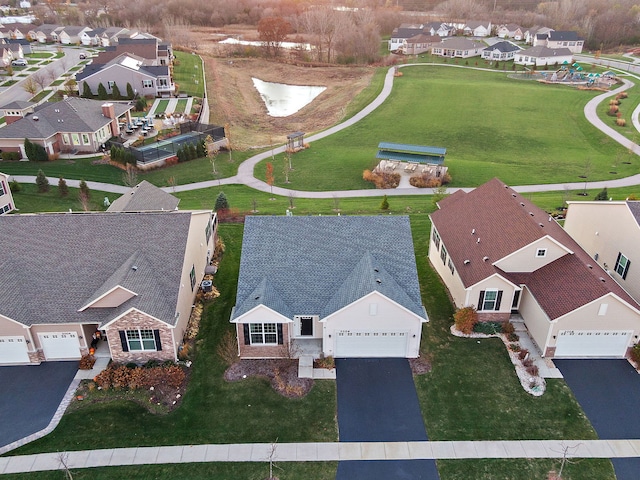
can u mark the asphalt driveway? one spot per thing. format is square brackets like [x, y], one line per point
[609, 393]
[377, 402]
[30, 395]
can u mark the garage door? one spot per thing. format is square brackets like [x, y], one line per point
[13, 350]
[60, 345]
[371, 344]
[592, 343]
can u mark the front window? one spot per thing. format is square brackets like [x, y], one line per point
[490, 300]
[3, 189]
[141, 339]
[110, 84]
[147, 84]
[192, 277]
[436, 239]
[85, 139]
[162, 82]
[263, 333]
[451, 266]
[622, 265]
[75, 138]
[443, 255]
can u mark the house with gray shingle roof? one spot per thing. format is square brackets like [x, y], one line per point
[540, 56]
[501, 51]
[132, 276]
[126, 68]
[498, 252]
[144, 197]
[334, 286]
[458, 47]
[71, 125]
[6, 199]
[610, 233]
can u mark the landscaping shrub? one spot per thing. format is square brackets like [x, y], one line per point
[635, 353]
[14, 186]
[621, 122]
[119, 377]
[382, 180]
[384, 205]
[522, 354]
[425, 180]
[221, 202]
[488, 328]
[86, 362]
[532, 370]
[130, 92]
[42, 182]
[507, 328]
[102, 92]
[11, 156]
[63, 189]
[514, 347]
[513, 337]
[86, 90]
[465, 319]
[228, 348]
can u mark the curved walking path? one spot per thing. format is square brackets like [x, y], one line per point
[245, 169]
[322, 452]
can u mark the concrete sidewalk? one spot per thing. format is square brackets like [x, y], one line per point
[324, 452]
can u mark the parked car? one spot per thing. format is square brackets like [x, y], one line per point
[19, 62]
[83, 56]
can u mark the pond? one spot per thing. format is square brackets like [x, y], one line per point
[283, 100]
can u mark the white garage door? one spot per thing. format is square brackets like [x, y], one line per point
[60, 345]
[371, 344]
[13, 350]
[592, 343]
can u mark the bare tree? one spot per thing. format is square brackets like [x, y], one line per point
[30, 86]
[130, 177]
[40, 78]
[63, 458]
[272, 32]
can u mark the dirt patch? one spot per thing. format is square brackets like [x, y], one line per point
[283, 374]
[420, 365]
[233, 99]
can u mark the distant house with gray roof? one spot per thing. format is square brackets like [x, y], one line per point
[133, 276]
[71, 125]
[458, 47]
[144, 197]
[501, 51]
[126, 68]
[334, 286]
[540, 56]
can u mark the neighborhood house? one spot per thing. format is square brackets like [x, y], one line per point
[6, 199]
[131, 276]
[328, 286]
[497, 251]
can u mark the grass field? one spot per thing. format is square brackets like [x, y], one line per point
[188, 74]
[491, 125]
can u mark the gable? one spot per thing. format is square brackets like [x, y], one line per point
[533, 256]
[374, 304]
[111, 299]
[261, 314]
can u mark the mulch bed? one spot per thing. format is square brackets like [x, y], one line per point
[282, 373]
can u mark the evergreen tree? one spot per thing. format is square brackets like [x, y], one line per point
[603, 195]
[115, 92]
[221, 202]
[201, 149]
[42, 182]
[63, 189]
[102, 92]
[84, 190]
[86, 90]
[385, 203]
[28, 149]
[130, 93]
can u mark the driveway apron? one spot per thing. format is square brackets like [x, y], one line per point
[609, 393]
[30, 396]
[377, 402]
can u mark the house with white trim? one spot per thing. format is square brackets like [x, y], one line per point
[6, 199]
[136, 291]
[498, 252]
[340, 286]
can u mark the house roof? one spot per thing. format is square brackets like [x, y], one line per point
[142, 48]
[475, 24]
[460, 43]
[406, 32]
[423, 38]
[563, 36]
[56, 263]
[505, 47]
[72, 114]
[18, 105]
[634, 208]
[542, 51]
[494, 221]
[318, 265]
[73, 30]
[144, 197]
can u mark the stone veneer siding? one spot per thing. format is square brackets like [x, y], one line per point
[264, 351]
[135, 320]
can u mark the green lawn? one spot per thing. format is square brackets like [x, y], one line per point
[626, 107]
[195, 471]
[181, 106]
[523, 132]
[40, 55]
[39, 96]
[188, 74]
[161, 106]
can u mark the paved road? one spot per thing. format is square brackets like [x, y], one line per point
[30, 396]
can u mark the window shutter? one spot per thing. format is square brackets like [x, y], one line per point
[156, 334]
[481, 300]
[626, 269]
[617, 260]
[247, 338]
[123, 340]
[280, 339]
[498, 299]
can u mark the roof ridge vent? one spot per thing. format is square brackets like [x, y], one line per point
[378, 281]
[541, 224]
[467, 262]
[485, 258]
[478, 241]
[473, 231]
[589, 266]
[531, 213]
[602, 279]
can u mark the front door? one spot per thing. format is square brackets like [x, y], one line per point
[306, 326]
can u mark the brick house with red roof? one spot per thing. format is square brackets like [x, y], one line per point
[497, 251]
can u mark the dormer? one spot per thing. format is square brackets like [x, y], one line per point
[111, 299]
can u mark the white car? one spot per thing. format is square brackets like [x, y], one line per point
[19, 62]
